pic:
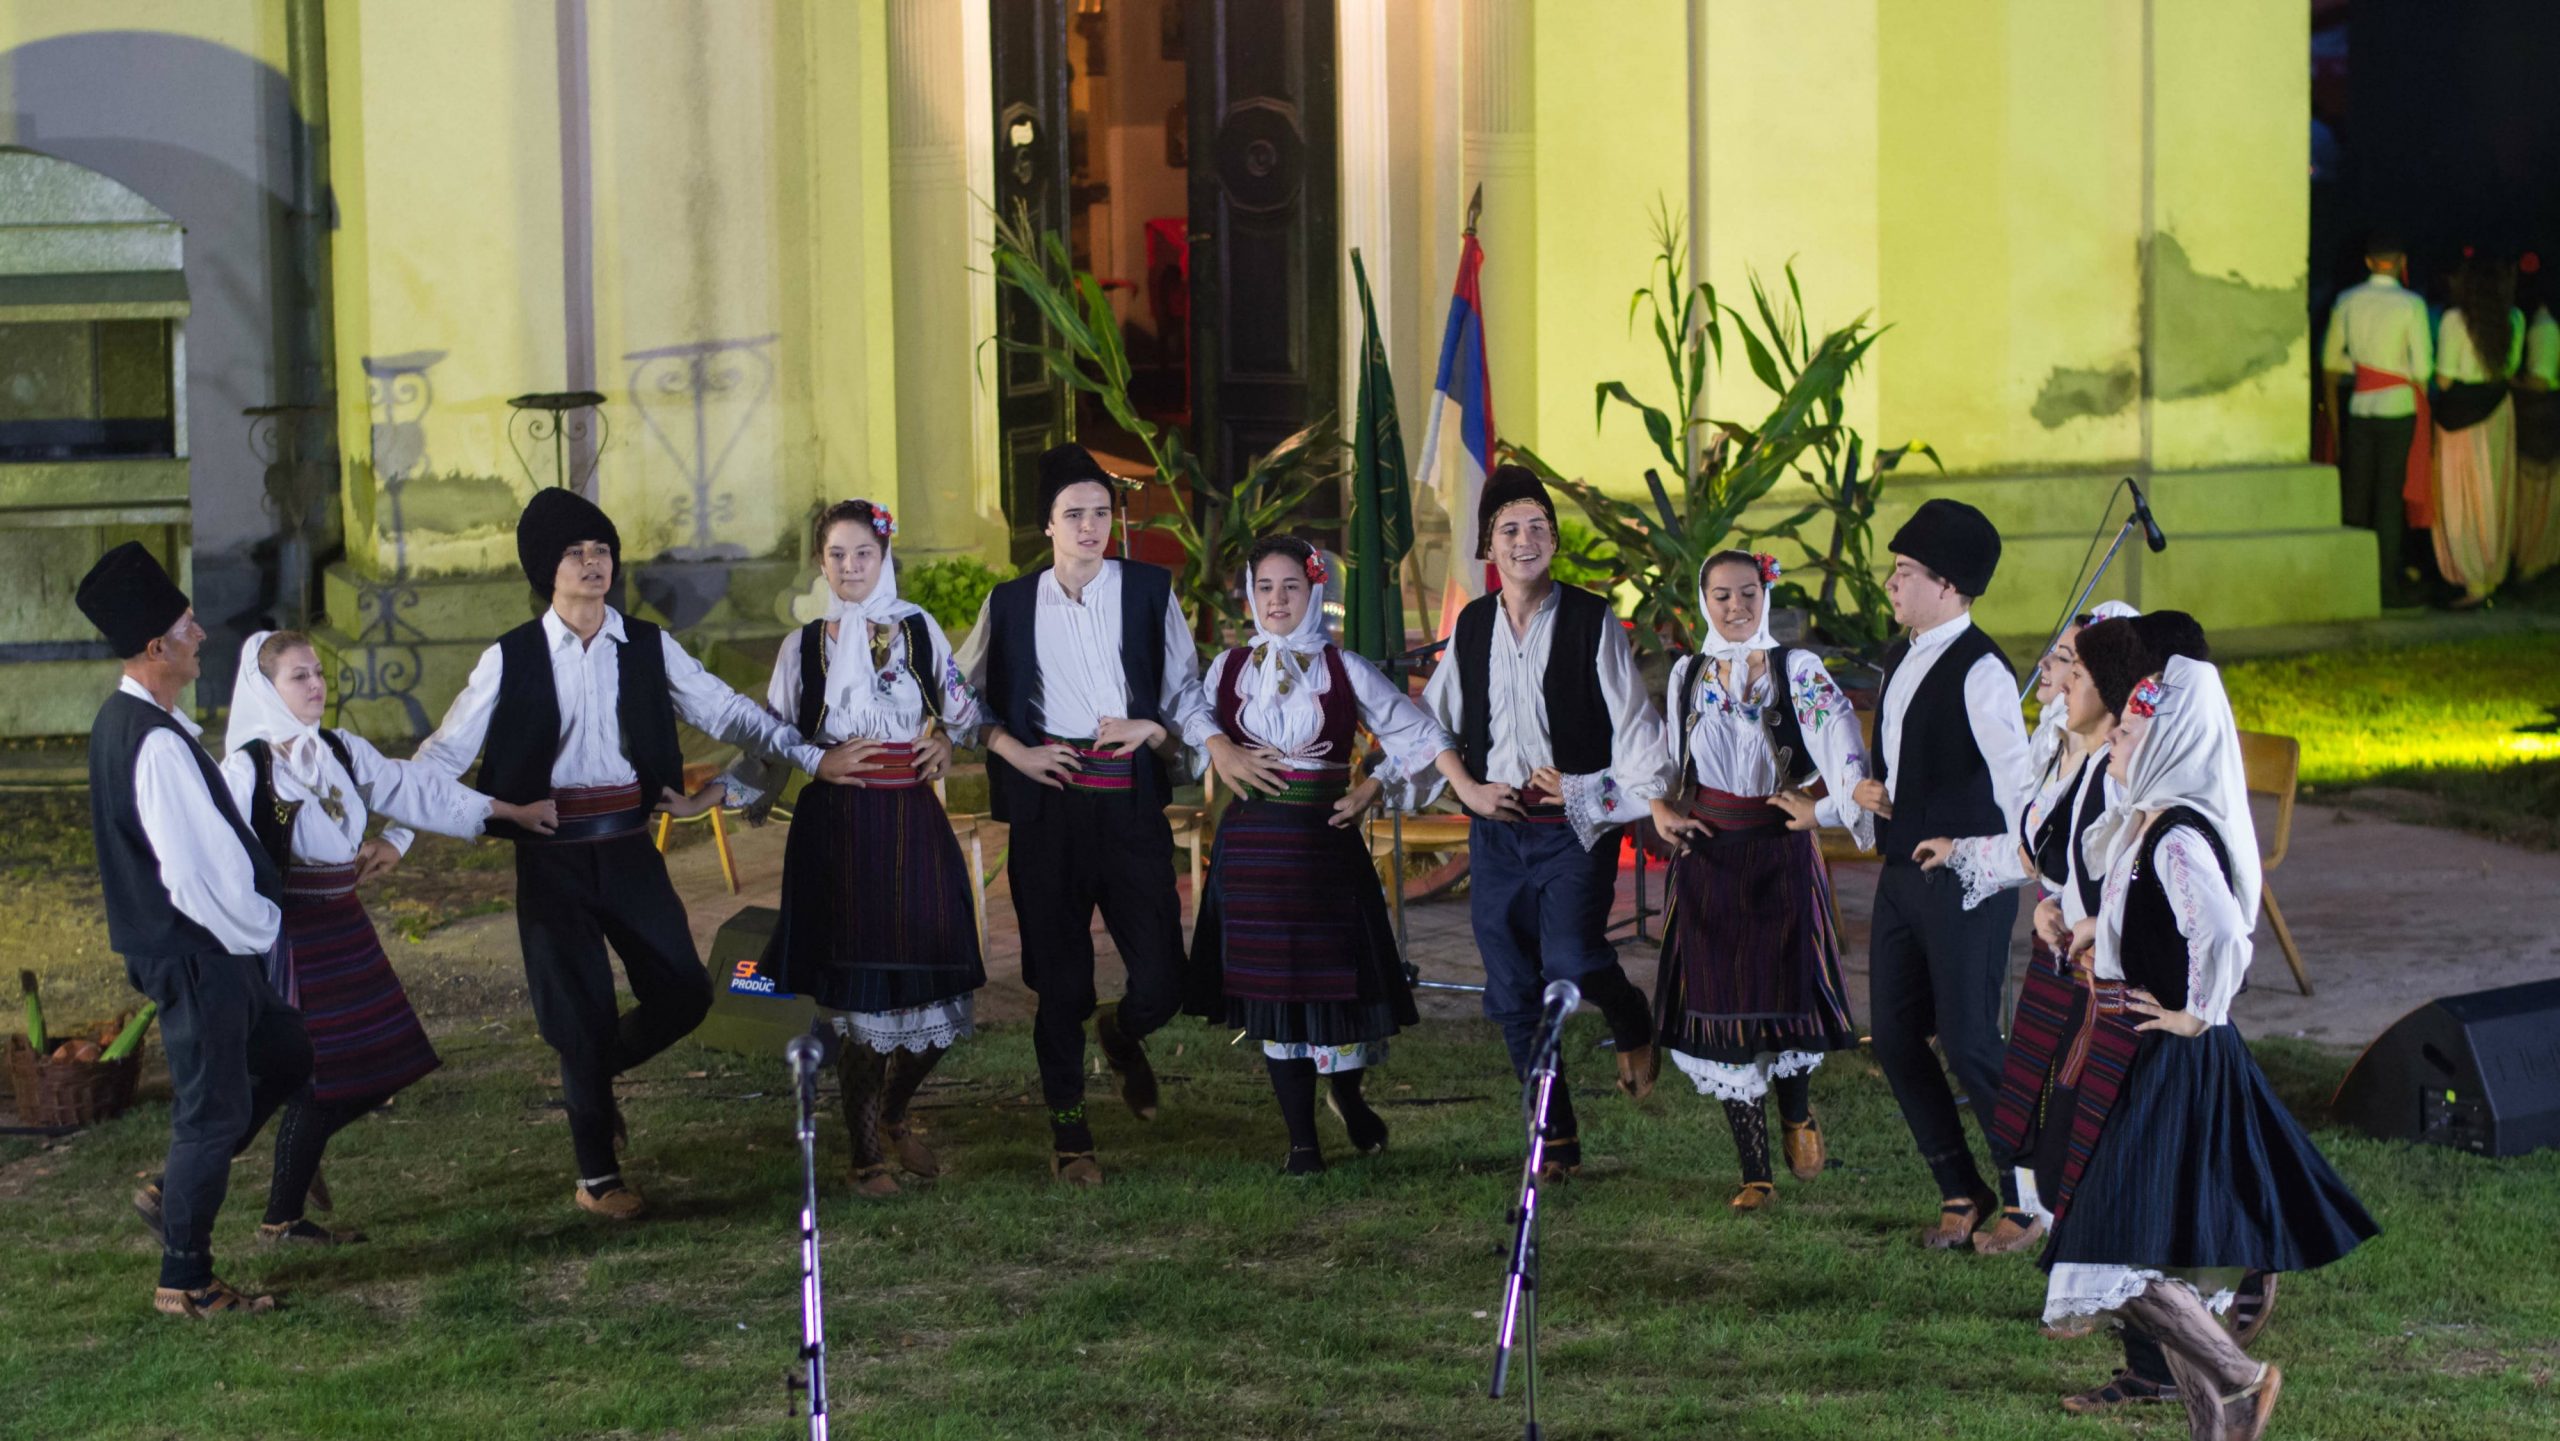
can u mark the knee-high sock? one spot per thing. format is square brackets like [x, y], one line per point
[907, 1070]
[1795, 1098]
[1750, 1123]
[1294, 1082]
[863, 1073]
[301, 1135]
[2207, 1363]
[1368, 1128]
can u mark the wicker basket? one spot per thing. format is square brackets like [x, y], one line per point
[71, 1093]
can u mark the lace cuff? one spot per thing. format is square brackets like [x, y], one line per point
[1595, 805]
[1987, 865]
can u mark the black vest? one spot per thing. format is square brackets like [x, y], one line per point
[1945, 784]
[524, 728]
[1578, 727]
[1778, 717]
[271, 820]
[2153, 951]
[813, 672]
[141, 919]
[1013, 678]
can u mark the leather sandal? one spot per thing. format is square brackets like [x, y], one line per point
[2122, 1389]
[1956, 1220]
[1754, 1196]
[2254, 1302]
[874, 1180]
[620, 1203]
[1806, 1155]
[2016, 1231]
[914, 1156]
[301, 1231]
[2255, 1403]
[1075, 1168]
[1563, 1159]
[1637, 1071]
[216, 1299]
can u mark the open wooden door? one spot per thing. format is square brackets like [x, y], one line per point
[1029, 54]
[1265, 246]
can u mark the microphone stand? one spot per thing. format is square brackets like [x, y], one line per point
[804, 1053]
[2132, 518]
[1519, 1322]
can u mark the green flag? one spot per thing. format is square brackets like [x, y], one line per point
[1381, 499]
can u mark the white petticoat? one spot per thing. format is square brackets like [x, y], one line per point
[1359, 1055]
[927, 1027]
[2079, 1291]
[1723, 1081]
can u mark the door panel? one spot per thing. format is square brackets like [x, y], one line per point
[1029, 53]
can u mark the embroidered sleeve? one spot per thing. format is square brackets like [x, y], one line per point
[753, 779]
[2218, 936]
[961, 713]
[410, 794]
[1987, 865]
[1409, 740]
[1830, 727]
[1636, 744]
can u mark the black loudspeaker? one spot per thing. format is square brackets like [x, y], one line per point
[2479, 1073]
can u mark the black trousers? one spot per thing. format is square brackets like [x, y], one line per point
[571, 901]
[236, 1052]
[1935, 968]
[2373, 463]
[1079, 851]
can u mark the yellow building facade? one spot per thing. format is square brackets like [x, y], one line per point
[758, 229]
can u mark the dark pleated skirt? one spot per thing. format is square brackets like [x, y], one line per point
[1294, 943]
[1750, 961]
[876, 906]
[2199, 1165]
[2032, 1118]
[365, 1038]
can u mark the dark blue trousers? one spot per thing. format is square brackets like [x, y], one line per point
[1541, 913]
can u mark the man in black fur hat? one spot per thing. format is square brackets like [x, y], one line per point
[1950, 759]
[1087, 665]
[192, 905]
[1558, 746]
[579, 705]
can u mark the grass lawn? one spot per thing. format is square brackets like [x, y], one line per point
[2462, 732]
[1198, 1293]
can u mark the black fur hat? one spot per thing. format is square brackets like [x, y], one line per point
[554, 520]
[130, 599]
[1952, 538]
[1508, 485]
[1065, 465]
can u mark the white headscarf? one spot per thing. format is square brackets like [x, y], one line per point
[2190, 756]
[2045, 741]
[1712, 643]
[849, 655]
[258, 711]
[1277, 667]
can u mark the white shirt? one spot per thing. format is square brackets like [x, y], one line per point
[2458, 360]
[587, 679]
[860, 704]
[206, 870]
[405, 791]
[2542, 347]
[1731, 750]
[2380, 324]
[1990, 701]
[1408, 739]
[1517, 740]
[1077, 641]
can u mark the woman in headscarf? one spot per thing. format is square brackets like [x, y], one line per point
[1763, 748]
[2185, 1170]
[877, 914]
[1293, 945]
[2067, 748]
[309, 794]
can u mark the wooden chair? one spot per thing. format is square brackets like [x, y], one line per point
[2272, 765]
[696, 774]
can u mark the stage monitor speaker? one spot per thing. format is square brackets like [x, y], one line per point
[2479, 1073]
[749, 1013]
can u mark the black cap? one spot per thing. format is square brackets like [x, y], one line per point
[2167, 633]
[1065, 465]
[1953, 539]
[2116, 657]
[554, 520]
[130, 599]
[1508, 485]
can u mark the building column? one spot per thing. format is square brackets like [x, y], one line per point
[931, 250]
[1497, 152]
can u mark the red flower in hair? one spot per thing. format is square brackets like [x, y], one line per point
[1315, 568]
[883, 523]
[2147, 699]
[1769, 571]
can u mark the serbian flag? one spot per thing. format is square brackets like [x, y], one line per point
[1457, 443]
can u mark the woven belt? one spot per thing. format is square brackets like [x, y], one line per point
[1099, 770]
[1724, 811]
[595, 813]
[1540, 808]
[320, 883]
[896, 768]
[1311, 786]
[2105, 998]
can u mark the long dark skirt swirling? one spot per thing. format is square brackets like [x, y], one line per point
[1294, 943]
[365, 1036]
[876, 907]
[1750, 959]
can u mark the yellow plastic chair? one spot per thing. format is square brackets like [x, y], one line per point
[2272, 766]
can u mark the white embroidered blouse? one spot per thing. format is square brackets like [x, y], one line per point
[1730, 745]
[2208, 915]
[1409, 740]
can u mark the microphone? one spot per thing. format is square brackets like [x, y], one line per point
[2151, 535]
[806, 1054]
[1563, 998]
